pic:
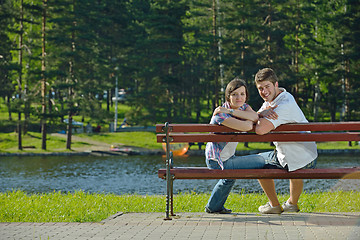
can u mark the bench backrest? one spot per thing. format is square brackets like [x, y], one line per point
[320, 131]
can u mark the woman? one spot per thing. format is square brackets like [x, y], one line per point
[237, 114]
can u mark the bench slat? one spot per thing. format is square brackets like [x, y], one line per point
[315, 126]
[205, 173]
[270, 137]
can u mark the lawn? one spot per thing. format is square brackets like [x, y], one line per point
[79, 206]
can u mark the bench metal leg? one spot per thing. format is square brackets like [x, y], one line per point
[169, 191]
[168, 175]
[172, 196]
[167, 214]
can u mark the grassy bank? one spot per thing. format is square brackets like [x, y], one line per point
[18, 206]
[82, 142]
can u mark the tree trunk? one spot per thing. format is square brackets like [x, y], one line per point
[9, 107]
[71, 97]
[43, 82]
[69, 132]
[316, 100]
[269, 37]
[347, 90]
[215, 46]
[108, 101]
[19, 125]
[297, 54]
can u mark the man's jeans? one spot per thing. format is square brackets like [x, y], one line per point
[222, 189]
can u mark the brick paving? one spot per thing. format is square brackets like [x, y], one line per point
[196, 226]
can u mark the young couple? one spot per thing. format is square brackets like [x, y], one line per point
[279, 107]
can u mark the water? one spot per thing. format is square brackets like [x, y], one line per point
[128, 174]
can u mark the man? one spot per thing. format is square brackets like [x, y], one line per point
[279, 107]
[288, 155]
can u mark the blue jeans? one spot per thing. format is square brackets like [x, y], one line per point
[272, 162]
[222, 189]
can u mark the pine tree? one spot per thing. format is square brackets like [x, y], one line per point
[7, 18]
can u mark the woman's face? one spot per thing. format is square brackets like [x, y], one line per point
[238, 97]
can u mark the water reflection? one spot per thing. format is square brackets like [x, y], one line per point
[128, 174]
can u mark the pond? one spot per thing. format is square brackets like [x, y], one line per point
[129, 174]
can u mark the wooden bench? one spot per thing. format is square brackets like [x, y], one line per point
[320, 132]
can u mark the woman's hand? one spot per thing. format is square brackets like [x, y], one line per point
[220, 110]
[269, 113]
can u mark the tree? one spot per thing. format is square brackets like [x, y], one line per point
[7, 18]
[63, 35]
[159, 80]
[241, 44]
[43, 79]
[174, 58]
[20, 72]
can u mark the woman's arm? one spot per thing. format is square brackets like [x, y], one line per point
[237, 124]
[248, 114]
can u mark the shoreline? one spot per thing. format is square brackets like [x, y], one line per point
[130, 151]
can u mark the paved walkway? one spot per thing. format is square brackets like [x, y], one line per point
[196, 226]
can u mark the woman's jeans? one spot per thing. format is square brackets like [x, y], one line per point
[222, 189]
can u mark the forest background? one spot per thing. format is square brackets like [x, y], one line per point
[64, 58]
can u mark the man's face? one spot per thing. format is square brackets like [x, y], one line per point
[267, 90]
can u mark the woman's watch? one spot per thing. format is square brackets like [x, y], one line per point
[231, 111]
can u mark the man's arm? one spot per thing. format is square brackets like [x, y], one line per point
[263, 126]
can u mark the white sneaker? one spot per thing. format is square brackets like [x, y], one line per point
[268, 209]
[287, 207]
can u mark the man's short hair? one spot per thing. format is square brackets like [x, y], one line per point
[266, 74]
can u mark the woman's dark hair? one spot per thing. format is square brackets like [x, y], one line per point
[233, 85]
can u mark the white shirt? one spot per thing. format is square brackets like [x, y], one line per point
[294, 154]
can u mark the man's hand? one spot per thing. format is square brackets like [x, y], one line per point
[269, 113]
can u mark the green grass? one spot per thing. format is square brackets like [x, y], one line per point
[137, 139]
[320, 145]
[338, 145]
[9, 143]
[79, 206]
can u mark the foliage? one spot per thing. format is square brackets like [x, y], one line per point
[174, 58]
